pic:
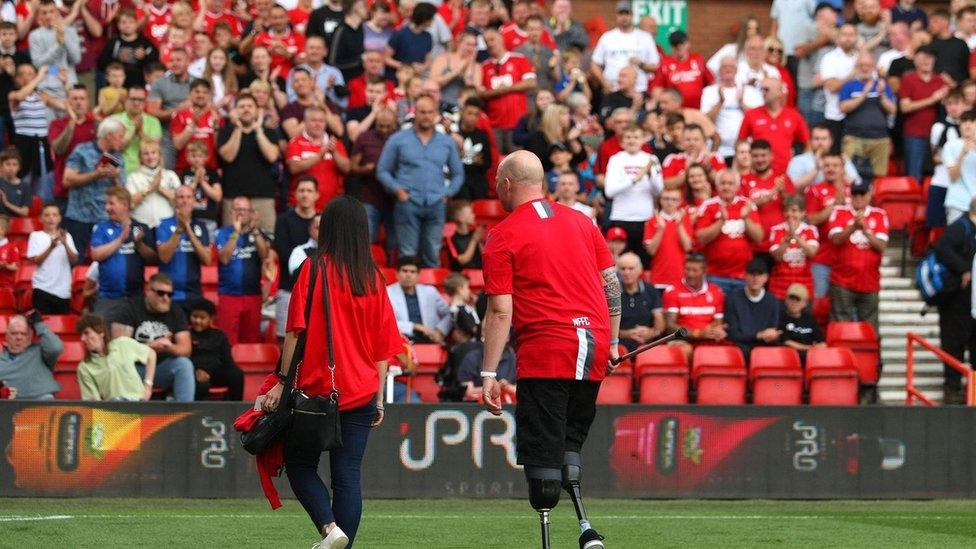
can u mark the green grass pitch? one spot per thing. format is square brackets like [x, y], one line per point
[487, 524]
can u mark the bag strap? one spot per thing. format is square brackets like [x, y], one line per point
[299, 354]
[334, 394]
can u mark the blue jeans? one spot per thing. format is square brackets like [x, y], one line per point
[345, 467]
[804, 103]
[176, 373]
[727, 284]
[915, 150]
[419, 230]
[821, 279]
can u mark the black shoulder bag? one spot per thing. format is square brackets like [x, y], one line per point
[315, 423]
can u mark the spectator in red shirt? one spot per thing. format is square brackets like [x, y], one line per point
[514, 33]
[667, 238]
[919, 93]
[286, 47]
[683, 70]
[822, 198]
[213, 12]
[726, 224]
[198, 122]
[766, 189]
[9, 255]
[695, 305]
[694, 151]
[372, 67]
[860, 232]
[792, 243]
[321, 155]
[506, 79]
[66, 133]
[776, 122]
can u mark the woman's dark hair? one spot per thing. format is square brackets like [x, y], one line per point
[344, 239]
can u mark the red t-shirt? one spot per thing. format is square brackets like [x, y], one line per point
[505, 110]
[695, 309]
[794, 267]
[331, 181]
[919, 123]
[675, 163]
[9, 253]
[688, 77]
[515, 37]
[858, 265]
[299, 19]
[364, 331]
[357, 91]
[781, 131]
[667, 265]
[731, 250]
[455, 24]
[609, 147]
[205, 131]
[292, 41]
[755, 187]
[210, 21]
[84, 132]
[819, 196]
[548, 257]
[157, 22]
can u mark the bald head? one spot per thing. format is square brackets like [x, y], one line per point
[520, 179]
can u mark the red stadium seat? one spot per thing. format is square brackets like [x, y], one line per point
[617, 388]
[776, 376]
[821, 311]
[379, 254]
[252, 383]
[860, 338]
[8, 303]
[719, 373]
[20, 230]
[430, 357]
[149, 271]
[434, 276]
[66, 370]
[831, 376]
[209, 276]
[255, 357]
[424, 384]
[662, 376]
[35, 207]
[898, 196]
[488, 212]
[450, 228]
[476, 279]
[23, 286]
[389, 274]
[63, 326]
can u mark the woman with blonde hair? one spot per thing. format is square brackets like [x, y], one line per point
[219, 71]
[455, 69]
[776, 56]
[555, 127]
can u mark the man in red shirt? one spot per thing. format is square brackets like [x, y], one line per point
[727, 227]
[68, 132]
[318, 154]
[776, 122]
[860, 232]
[695, 305]
[287, 48]
[766, 189]
[548, 271]
[822, 198]
[920, 92]
[506, 79]
[213, 13]
[154, 19]
[792, 244]
[198, 122]
[683, 70]
[372, 67]
[514, 33]
[693, 151]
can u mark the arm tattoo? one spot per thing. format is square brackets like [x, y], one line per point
[611, 287]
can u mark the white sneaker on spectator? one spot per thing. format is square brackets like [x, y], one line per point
[337, 539]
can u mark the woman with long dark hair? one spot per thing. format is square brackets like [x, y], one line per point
[364, 336]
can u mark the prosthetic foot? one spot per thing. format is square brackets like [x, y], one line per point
[544, 491]
[571, 475]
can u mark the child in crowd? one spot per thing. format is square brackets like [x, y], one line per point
[53, 251]
[568, 194]
[475, 151]
[9, 256]
[668, 236]
[111, 98]
[205, 183]
[560, 156]
[153, 187]
[464, 334]
[793, 243]
[466, 243]
[215, 367]
[617, 241]
[568, 73]
[458, 289]
[403, 75]
[15, 198]
[947, 129]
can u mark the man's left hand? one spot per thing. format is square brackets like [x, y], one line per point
[491, 393]
[614, 354]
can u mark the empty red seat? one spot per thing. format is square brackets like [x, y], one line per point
[255, 357]
[425, 385]
[66, 370]
[433, 276]
[23, 226]
[662, 376]
[430, 357]
[898, 196]
[209, 276]
[23, 286]
[252, 383]
[776, 376]
[389, 274]
[63, 326]
[149, 271]
[821, 311]
[68, 380]
[719, 374]
[617, 388]
[476, 279]
[488, 209]
[860, 338]
[831, 376]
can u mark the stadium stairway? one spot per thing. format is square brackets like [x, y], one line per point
[900, 312]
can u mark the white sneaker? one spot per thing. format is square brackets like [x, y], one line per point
[337, 539]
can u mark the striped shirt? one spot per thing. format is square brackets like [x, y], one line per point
[30, 117]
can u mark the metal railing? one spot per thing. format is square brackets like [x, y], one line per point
[912, 392]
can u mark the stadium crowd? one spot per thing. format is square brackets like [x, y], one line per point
[171, 140]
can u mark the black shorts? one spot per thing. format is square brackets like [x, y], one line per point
[552, 416]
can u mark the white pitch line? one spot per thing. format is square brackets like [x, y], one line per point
[28, 518]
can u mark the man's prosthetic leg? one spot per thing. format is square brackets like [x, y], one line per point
[544, 491]
[571, 476]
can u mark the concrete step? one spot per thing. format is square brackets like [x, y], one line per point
[895, 355]
[896, 397]
[913, 318]
[921, 369]
[888, 306]
[895, 283]
[899, 331]
[890, 271]
[900, 294]
[920, 381]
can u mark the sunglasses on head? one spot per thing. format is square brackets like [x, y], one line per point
[162, 293]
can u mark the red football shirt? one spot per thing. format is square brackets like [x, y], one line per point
[731, 250]
[795, 266]
[366, 334]
[919, 123]
[548, 257]
[609, 147]
[506, 110]
[688, 77]
[819, 196]
[293, 42]
[781, 131]
[515, 37]
[84, 132]
[695, 309]
[9, 253]
[205, 131]
[210, 21]
[331, 181]
[756, 188]
[858, 265]
[157, 22]
[676, 163]
[299, 19]
[357, 91]
[667, 265]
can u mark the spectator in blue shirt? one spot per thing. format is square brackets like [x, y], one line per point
[905, 11]
[90, 169]
[183, 244]
[867, 101]
[122, 247]
[243, 247]
[413, 166]
[412, 44]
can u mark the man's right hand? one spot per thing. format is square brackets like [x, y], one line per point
[491, 393]
[402, 195]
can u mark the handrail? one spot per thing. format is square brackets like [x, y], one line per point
[912, 392]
